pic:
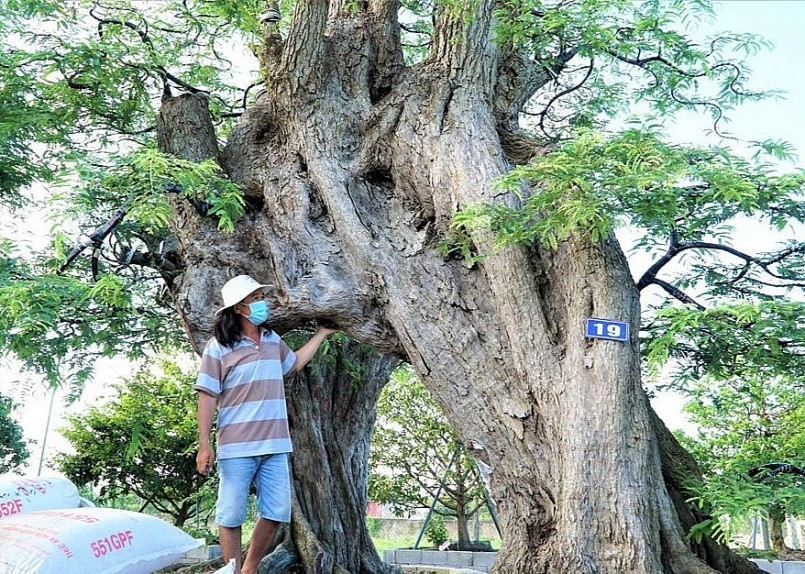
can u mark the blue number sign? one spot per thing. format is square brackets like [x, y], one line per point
[606, 329]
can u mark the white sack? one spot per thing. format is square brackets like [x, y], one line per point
[19, 494]
[89, 541]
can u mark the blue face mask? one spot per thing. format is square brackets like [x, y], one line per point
[258, 312]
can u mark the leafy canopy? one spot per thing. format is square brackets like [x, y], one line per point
[83, 79]
[595, 183]
[79, 82]
[142, 442]
[743, 424]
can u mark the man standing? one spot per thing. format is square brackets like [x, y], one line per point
[241, 377]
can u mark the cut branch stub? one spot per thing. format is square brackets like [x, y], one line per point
[184, 128]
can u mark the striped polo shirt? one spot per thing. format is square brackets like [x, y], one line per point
[247, 381]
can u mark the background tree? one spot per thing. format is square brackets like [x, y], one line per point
[143, 441]
[416, 457]
[742, 426]
[356, 165]
[13, 447]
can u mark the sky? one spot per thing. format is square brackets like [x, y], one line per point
[777, 20]
[780, 68]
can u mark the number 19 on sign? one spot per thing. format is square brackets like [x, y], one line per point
[605, 329]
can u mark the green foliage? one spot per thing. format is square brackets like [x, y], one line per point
[19, 164]
[744, 423]
[79, 321]
[137, 182]
[201, 529]
[416, 35]
[640, 57]
[458, 243]
[436, 531]
[124, 310]
[13, 447]
[83, 59]
[78, 85]
[373, 525]
[143, 443]
[627, 53]
[594, 183]
[414, 448]
[738, 340]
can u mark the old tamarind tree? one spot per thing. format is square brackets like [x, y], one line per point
[428, 176]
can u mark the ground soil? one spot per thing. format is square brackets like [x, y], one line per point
[790, 554]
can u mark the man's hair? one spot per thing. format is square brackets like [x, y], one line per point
[227, 327]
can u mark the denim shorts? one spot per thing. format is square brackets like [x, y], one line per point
[271, 478]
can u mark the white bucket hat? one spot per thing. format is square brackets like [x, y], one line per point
[237, 289]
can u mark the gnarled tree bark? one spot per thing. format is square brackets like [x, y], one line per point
[331, 404]
[358, 165]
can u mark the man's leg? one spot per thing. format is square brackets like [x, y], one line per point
[230, 544]
[273, 483]
[233, 489]
[262, 537]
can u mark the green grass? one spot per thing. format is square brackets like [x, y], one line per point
[382, 543]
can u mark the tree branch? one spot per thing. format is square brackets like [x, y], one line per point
[786, 253]
[386, 45]
[95, 238]
[650, 274]
[543, 114]
[146, 39]
[677, 293]
[675, 248]
[645, 64]
[519, 78]
[303, 58]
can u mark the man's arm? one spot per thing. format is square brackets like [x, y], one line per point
[306, 351]
[206, 413]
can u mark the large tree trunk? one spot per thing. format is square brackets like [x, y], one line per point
[358, 166]
[332, 416]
